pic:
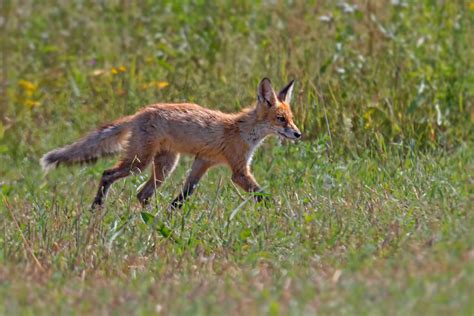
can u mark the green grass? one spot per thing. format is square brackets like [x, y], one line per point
[371, 213]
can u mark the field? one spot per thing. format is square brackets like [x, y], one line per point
[371, 213]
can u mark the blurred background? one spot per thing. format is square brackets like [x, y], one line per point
[368, 73]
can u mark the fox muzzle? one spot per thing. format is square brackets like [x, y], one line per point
[290, 133]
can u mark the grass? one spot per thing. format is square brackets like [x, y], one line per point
[370, 214]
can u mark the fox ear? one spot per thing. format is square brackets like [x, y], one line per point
[265, 93]
[286, 93]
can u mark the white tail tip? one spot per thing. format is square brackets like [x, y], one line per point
[47, 165]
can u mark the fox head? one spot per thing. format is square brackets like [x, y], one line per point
[275, 109]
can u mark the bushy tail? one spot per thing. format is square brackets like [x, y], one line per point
[106, 140]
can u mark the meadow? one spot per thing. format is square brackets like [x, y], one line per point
[370, 214]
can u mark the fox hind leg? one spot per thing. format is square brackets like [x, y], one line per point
[121, 170]
[163, 165]
[199, 168]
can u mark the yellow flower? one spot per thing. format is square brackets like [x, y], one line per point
[117, 70]
[471, 6]
[162, 84]
[31, 103]
[155, 84]
[28, 86]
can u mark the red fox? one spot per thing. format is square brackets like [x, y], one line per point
[159, 133]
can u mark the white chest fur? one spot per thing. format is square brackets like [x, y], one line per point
[254, 139]
[253, 147]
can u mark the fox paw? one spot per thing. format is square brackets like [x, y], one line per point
[96, 205]
[263, 198]
[176, 205]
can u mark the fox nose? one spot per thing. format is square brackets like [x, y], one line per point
[297, 134]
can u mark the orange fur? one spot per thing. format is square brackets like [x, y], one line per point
[159, 133]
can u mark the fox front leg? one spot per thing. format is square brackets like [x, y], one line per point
[246, 181]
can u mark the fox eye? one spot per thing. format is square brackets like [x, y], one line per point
[281, 119]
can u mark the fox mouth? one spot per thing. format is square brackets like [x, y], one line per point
[285, 136]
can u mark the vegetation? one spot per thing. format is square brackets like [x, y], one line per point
[371, 213]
